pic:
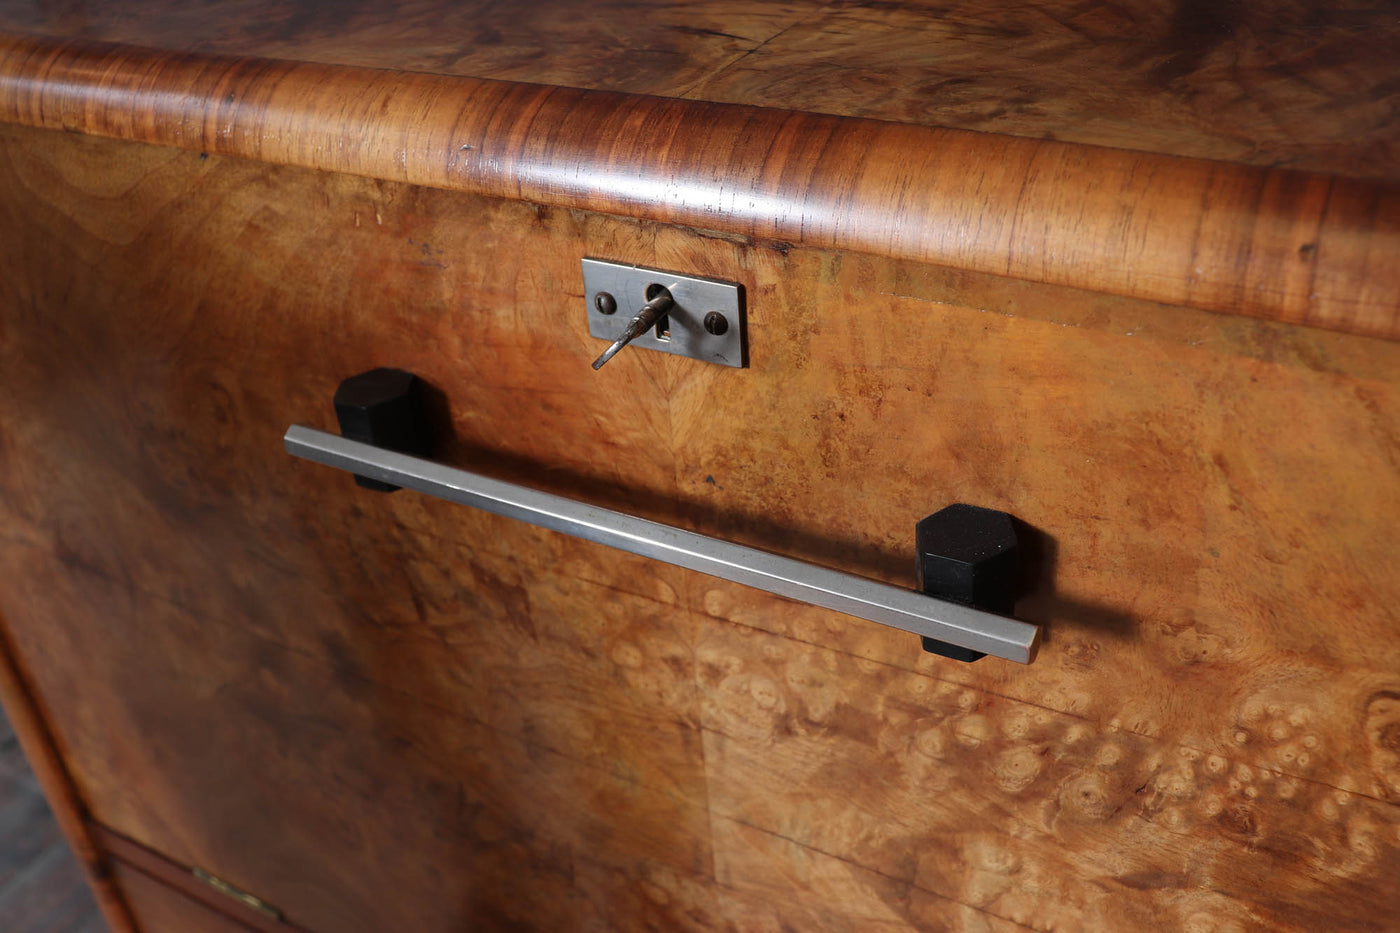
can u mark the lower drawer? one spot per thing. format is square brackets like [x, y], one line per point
[166, 897]
[157, 907]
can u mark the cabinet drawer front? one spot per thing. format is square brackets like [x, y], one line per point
[381, 714]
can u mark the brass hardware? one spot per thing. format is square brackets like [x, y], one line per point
[243, 897]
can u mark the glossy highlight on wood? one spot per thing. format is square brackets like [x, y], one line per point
[1113, 267]
[381, 714]
[1304, 84]
[1275, 244]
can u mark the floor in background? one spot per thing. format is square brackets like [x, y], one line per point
[41, 886]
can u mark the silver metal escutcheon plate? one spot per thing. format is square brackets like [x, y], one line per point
[683, 329]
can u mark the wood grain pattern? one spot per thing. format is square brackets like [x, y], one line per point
[660, 48]
[1275, 244]
[453, 718]
[1014, 813]
[377, 803]
[34, 736]
[1307, 84]
[1292, 83]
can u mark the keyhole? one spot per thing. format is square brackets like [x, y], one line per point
[663, 323]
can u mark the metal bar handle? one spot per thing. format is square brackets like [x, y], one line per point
[831, 589]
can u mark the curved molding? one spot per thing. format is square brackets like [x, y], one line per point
[1290, 246]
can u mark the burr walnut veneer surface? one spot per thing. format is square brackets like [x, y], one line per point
[1305, 84]
[382, 712]
[1170, 359]
[1299, 245]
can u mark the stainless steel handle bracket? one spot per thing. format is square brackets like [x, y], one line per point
[940, 621]
[703, 319]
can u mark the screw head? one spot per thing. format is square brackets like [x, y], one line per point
[605, 303]
[716, 323]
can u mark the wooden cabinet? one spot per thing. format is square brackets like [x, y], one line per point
[1148, 307]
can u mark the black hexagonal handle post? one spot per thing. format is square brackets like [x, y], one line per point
[968, 555]
[384, 407]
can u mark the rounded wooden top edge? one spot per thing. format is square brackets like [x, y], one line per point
[1278, 244]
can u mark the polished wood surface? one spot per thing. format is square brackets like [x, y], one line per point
[385, 713]
[1307, 84]
[1274, 244]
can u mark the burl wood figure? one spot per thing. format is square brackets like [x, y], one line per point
[1126, 271]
